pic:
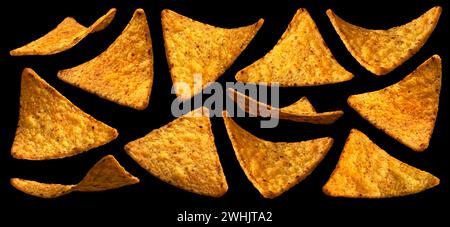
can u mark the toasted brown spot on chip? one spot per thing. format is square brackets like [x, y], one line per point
[50, 126]
[365, 170]
[182, 153]
[106, 174]
[66, 35]
[124, 72]
[197, 49]
[300, 111]
[300, 58]
[407, 110]
[275, 167]
[381, 51]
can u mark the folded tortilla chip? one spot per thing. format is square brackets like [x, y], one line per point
[195, 49]
[66, 35]
[50, 126]
[407, 110]
[106, 174]
[365, 170]
[275, 167]
[182, 153]
[124, 72]
[381, 51]
[300, 111]
[300, 58]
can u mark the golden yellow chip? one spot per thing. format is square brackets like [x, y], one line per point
[300, 111]
[275, 167]
[407, 110]
[124, 72]
[106, 174]
[66, 35]
[50, 126]
[195, 49]
[300, 58]
[182, 153]
[365, 170]
[381, 51]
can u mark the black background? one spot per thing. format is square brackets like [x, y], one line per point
[153, 201]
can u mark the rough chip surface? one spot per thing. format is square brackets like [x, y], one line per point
[66, 35]
[106, 174]
[381, 51]
[300, 111]
[365, 170]
[50, 126]
[275, 167]
[407, 110]
[124, 72]
[182, 153]
[300, 58]
[197, 49]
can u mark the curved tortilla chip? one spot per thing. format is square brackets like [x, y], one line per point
[275, 167]
[182, 153]
[66, 35]
[106, 174]
[365, 170]
[381, 51]
[197, 49]
[42, 190]
[300, 58]
[50, 126]
[407, 110]
[124, 72]
[300, 111]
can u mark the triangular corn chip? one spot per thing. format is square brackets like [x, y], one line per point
[300, 58]
[365, 170]
[407, 110]
[381, 51]
[275, 167]
[50, 126]
[106, 174]
[182, 153]
[196, 49]
[124, 72]
[300, 111]
[66, 35]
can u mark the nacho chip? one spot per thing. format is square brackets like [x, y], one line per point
[197, 49]
[66, 35]
[275, 167]
[106, 174]
[182, 153]
[300, 58]
[124, 72]
[381, 51]
[407, 110]
[365, 170]
[300, 111]
[50, 126]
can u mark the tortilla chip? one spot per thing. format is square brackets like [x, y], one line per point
[66, 35]
[50, 126]
[381, 51]
[275, 167]
[300, 111]
[194, 48]
[365, 170]
[407, 110]
[41, 189]
[182, 153]
[106, 174]
[124, 72]
[300, 58]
